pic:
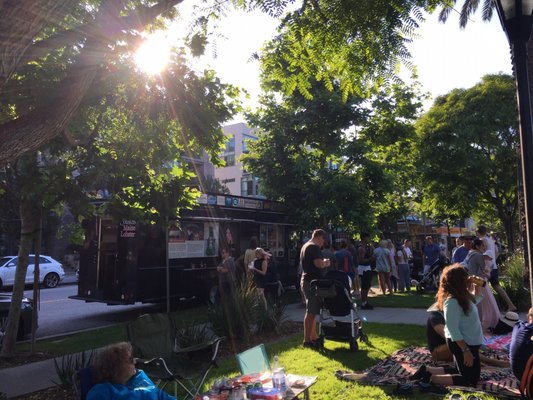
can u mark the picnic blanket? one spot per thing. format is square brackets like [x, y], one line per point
[397, 368]
[498, 343]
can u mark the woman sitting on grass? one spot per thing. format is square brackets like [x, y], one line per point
[119, 380]
[462, 330]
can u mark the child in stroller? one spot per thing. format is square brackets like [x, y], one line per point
[334, 290]
[430, 281]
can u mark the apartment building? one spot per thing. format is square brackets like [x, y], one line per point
[233, 175]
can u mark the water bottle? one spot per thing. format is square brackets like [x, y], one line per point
[278, 376]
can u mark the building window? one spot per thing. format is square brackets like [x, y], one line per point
[230, 144]
[229, 159]
[249, 186]
[245, 140]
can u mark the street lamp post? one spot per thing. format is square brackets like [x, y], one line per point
[516, 18]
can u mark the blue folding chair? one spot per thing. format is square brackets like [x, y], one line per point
[253, 360]
[83, 381]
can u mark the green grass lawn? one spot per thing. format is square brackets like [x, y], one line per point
[403, 300]
[384, 340]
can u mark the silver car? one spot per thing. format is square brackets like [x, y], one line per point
[50, 271]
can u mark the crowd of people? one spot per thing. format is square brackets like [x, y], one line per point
[393, 263]
[258, 266]
[465, 308]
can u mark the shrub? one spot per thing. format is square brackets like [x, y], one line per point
[244, 314]
[271, 319]
[513, 273]
[193, 335]
[235, 317]
[70, 364]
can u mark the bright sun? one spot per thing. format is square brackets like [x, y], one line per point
[153, 55]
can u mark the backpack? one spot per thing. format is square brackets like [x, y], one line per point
[521, 357]
[526, 381]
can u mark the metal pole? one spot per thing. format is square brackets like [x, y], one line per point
[167, 264]
[519, 53]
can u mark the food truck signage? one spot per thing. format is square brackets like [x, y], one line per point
[243, 203]
[193, 239]
[128, 228]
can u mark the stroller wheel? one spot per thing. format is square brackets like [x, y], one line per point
[320, 342]
[364, 338]
[354, 346]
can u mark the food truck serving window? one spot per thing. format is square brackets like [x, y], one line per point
[271, 236]
[190, 239]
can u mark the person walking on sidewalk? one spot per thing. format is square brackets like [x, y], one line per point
[313, 264]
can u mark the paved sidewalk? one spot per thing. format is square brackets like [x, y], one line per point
[40, 375]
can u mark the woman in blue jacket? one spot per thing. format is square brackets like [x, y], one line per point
[120, 380]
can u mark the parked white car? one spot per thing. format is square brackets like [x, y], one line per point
[50, 271]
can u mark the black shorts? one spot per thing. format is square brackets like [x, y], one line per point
[366, 280]
[494, 277]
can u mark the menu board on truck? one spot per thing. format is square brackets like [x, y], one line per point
[193, 239]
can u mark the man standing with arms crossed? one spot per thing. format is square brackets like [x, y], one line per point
[313, 264]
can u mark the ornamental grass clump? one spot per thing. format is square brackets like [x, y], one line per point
[513, 276]
[244, 314]
[70, 364]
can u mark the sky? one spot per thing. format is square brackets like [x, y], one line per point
[446, 56]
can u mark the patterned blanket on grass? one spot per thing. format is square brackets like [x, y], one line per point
[403, 363]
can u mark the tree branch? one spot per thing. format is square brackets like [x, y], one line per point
[136, 20]
[35, 129]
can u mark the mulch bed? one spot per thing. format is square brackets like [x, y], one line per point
[59, 393]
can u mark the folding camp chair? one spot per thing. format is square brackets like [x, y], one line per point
[83, 381]
[153, 339]
[253, 360]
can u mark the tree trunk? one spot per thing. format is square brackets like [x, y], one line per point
[36, 282]
[29, 215]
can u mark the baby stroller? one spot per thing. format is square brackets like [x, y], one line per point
[430, 281]
[334, 290]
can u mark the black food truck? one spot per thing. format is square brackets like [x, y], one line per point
[124, 261]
